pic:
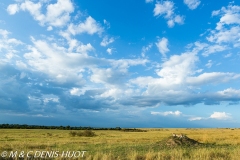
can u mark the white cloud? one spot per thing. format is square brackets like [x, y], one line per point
[107, 23]
[220, 115]
[178, 68]
[77, 91]
[8, 47]
[230, 92]
[148, 1]
[209, 64]
[112, 92]
[230, 15]
[90, 26]
[178, 82]
[215, 115]
[108, 76]
[57, 14]
[215, 13]
[170, 23]
[198, 46]
[66, 61]
[195, 118]
[227, 29]
[4, 33]
[109, 51]
[166, 9]
[35, 10]
[225, 35]
[50, 28]
[213, 49]
[228, 55]
[162, 45]
[123, 64]
[12, 9]
[192, 4]
[117, 93]
[44, 57]
[143, 81]
[106, 41]
[146, 49]
[213, 77]
[167, 113]
[179, 19]
[172, 76]
[21, 65]
[84, 49]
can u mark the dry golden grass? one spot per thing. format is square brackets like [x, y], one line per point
[108, 144]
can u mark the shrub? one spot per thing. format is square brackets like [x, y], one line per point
[73, 133]
[86, 133]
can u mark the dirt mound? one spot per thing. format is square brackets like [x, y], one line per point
[173, 141]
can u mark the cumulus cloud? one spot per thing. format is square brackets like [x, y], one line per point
[227, 29]
[178, 68]
[229, 15]
[58, 74]
[63, 66]
[12, 9]
[90, 26]
[178, 80]
[166, 9]
[215, 115]
[57, 14]
[9, 47]
[84, 49]
[173, 73]
[44, 58]
[117, 74]
[220, 115]
[162, 46]
[59, 87]
[192, 4]
[225, 35]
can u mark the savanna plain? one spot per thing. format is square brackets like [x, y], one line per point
[151, 144]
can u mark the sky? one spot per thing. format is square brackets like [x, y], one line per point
[128, 63]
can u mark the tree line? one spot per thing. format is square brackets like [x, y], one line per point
[25, 126]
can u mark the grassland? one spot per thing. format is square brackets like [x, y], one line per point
[219, 144]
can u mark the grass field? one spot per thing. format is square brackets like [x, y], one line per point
[221, 144]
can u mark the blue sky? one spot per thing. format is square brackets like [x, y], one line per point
[138, 63]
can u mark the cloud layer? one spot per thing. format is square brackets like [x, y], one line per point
[74, 64]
